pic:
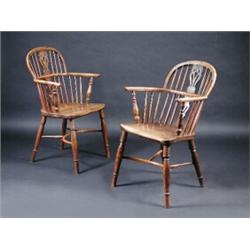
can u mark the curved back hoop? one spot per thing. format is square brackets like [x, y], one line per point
[198, 74]
[45, 60]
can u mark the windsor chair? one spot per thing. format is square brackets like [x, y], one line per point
[63, 95]
[170, 115]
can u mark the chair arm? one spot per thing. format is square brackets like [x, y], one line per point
[94, 75]
[155, 89]
[46, 82]
[190, 99]
[142, 89]
[84, 74]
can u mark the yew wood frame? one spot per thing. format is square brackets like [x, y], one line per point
[181, 128]
[61, 96]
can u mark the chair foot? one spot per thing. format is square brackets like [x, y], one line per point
[166, 175]
[201, 181]
[76, 167]
[166, 200]
[114, 180]
[74, 145]
[33, 155]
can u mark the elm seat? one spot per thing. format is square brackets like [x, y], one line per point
[73, 110]
[155, 132]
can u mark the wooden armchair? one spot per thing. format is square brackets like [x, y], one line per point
[169, 115]
[64, 95]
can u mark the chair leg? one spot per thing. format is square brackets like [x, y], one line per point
[64, 128]
[38, 137]
[195, 160]
[118, 157]
[105, 133]
[74, 145]
[166, 174]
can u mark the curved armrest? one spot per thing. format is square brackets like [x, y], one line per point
[191, 99]
[142, 89]
[46, 82]
[154, 89]
[82, 74]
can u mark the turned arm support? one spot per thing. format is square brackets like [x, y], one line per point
[136, 111]
[89, 90]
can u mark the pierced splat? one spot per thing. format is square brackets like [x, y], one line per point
[194, 78]
[54, 98]
[44, 61]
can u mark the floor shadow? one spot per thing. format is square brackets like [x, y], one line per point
[137, 183]
[150, 203]
[90, 168]
[91, 153]
[57, 155]
[48, 157]
[186, 185]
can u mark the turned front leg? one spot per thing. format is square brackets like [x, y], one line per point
[74, 145]
[196, 161]
[38, 137]
[166, 174]
[118, 157]
[64, 128]
[105, 133]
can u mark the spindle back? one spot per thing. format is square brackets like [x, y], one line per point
[191, 79]
[45, 60]
[55, 84]
[199, 74]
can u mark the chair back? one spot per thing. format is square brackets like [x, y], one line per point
[201, 76]
[45, 60]
[56, 86]
[191, 79]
